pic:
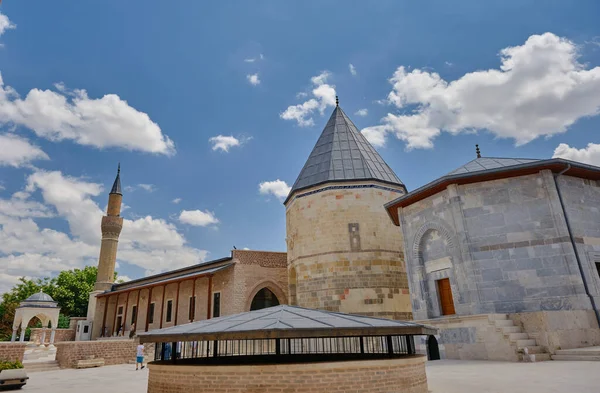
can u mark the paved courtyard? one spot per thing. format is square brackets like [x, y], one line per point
[446, 376]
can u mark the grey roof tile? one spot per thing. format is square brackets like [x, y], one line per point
[486, 163]
[116, 188]
[343, 153]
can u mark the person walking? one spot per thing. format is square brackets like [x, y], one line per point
[139, 360]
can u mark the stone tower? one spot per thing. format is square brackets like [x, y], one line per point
[111, 226]
[344, 254]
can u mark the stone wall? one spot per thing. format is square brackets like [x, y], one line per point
[344, 254]
[60, 335]
[503, 244]
[375, 376]
[252, 271]
[12, 351]
[565, 329]
[112, 351]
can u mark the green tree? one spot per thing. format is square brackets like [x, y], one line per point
[70, 289]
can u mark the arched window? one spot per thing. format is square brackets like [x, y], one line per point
[292, 287]
[263, 299]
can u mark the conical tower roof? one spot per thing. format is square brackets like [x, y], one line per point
[342, 154]
[116, 188]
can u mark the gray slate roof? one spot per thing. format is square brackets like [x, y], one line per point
[39, 297]
[116, 188]
[284, 321]
[342, 153]
[485, 163]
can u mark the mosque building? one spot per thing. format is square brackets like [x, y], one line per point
[502, 255]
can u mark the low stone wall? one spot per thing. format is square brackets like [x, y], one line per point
[12, 351]
[556, 330]
[406, 375]
[472, 337]
[112, 351]
[60, 335]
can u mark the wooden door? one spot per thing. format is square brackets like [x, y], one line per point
[446, 301]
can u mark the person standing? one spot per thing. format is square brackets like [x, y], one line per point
[140, 356]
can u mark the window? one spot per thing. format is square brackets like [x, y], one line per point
[598, 268]
[169, 310]
[216, 304]
[133, 314]
[120, 310]
[192, 310]
[85, 328]
[151, 314]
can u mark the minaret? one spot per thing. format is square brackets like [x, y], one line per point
[112, 224]
[343, 253]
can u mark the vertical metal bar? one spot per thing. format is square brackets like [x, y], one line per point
[148, 308]
[362, 344]
[277, 346]
[137, 308]
[215, 348]
[174, 352]
[411, 345]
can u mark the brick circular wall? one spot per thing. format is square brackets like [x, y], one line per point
[345, 252]
[406, 375]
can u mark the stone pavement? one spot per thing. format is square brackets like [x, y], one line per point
[445, 376]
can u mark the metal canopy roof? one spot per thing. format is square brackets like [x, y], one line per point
[284, 322]
[342, 153]
[116, 188]
[485, 163]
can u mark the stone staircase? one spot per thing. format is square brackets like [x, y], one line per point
[526, 346]
[581, 354]
[46, 365]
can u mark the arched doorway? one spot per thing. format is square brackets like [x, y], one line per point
[263, 299]
[433, 351]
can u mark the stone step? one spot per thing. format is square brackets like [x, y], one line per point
[511, 329]
[51, 365]
[577, 357]
[526, 343]
[518, 336]
[497, 317]
[536, 357]
[534, 349]
[589, 351]
[504, 323]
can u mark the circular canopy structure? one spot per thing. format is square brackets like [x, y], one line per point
[40, 305]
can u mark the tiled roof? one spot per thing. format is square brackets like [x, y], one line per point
[286, 321]
[342, 153]
[485, 163]
[116, 188]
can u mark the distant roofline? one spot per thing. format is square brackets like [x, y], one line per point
[370, 179]
[576, 169]
[115, 287]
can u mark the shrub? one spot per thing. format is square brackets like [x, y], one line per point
[4, 365]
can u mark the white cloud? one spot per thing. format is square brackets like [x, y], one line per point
[449, 64]
[123, 278]
[362, 112]
[150, 243]
[253, 79]
[324, 96]
[352, 69]
[225, 142]
[278, 188]
[16, 151]
[588, 155]
[72, 115]
[198, 218]
[5, 24]
[141, 186]
[376, 135]
[540, 89]
[254, 59]
[176, 200]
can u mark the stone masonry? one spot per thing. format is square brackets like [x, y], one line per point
[112, 351]
[344, 253]
[374, 376]
[12, 351]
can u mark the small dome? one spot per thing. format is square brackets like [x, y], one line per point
[39, 297]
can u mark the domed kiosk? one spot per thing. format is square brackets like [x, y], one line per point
[40, 305]
[287, 348]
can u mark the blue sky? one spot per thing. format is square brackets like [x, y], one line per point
[148, 83]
